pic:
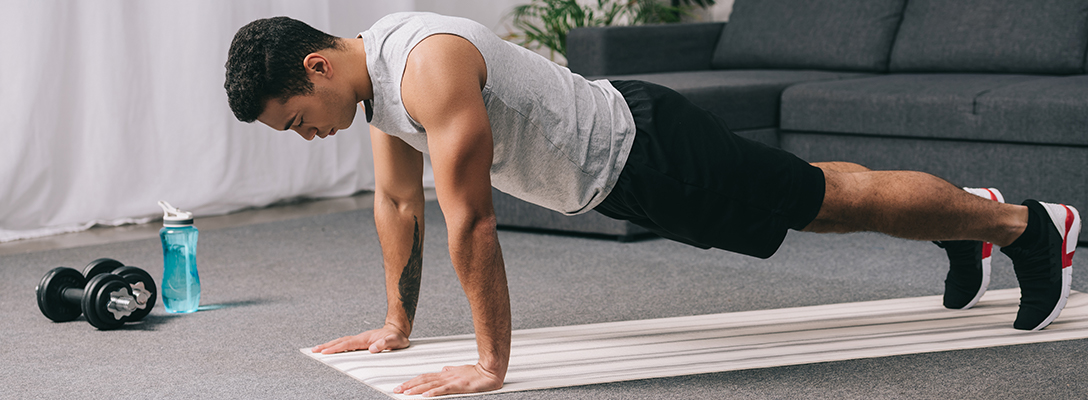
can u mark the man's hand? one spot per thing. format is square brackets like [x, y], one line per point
[452, 380]
[376, 341]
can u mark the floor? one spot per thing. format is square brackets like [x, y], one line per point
[279, 212]
[269, 289]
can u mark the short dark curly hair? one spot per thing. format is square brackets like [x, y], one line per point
[265, 62]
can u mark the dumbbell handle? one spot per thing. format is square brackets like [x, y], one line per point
[74, 295]
[122, 305]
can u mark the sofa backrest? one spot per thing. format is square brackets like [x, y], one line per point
[844, 35]
[642, 49]
[1009, 36]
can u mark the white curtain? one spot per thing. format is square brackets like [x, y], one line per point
[108, 106]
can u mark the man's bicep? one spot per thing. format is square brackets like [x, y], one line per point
[398, 168]
[462, 152]
[441, 90]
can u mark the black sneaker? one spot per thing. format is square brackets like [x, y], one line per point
[968, 264]
[1044, 267]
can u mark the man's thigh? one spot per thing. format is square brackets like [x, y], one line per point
[689, 178]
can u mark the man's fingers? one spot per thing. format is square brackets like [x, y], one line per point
[419, 384]
[337, 348]
[452, 380]
[347, 343]
[330, 344]
[390, 342]
[376, 341]
[378, 346]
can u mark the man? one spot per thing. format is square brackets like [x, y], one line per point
[490, 113]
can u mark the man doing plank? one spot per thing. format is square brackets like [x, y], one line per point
[490, 113]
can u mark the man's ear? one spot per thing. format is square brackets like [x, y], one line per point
[317, 64]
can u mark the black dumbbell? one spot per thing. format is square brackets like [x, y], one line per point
[107, 299]
[141, 282]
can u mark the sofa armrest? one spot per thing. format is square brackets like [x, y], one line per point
[620, 50]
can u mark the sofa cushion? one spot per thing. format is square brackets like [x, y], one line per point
[845, 35]
[1041, 36]
[951, 106]
[745, 99]
[1051, 110]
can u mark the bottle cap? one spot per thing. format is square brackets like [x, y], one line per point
[173, 216]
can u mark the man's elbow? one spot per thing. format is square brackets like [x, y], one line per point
[410, 203]
[472, 223]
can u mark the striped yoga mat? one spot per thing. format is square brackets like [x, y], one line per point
[618, 351]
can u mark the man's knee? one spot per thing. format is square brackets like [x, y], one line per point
[842, 195]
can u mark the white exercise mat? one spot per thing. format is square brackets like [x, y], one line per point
[619, 351]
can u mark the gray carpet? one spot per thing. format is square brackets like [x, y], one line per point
[271, 289]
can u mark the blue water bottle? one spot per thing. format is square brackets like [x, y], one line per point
[180, 281]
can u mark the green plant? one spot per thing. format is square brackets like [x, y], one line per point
[545, 23]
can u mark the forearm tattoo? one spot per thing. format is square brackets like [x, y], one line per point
[411, 275]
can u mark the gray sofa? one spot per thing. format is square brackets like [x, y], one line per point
[984, 93]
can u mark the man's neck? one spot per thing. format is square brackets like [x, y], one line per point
[355, 55]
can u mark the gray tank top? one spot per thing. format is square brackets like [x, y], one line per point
[560, 140]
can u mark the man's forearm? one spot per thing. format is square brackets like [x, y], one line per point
[400, 231]
[477, 258]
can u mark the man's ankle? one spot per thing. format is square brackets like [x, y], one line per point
[1033, 227]
[1017, 228]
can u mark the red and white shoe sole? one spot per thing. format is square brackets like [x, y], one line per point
[1067, 220]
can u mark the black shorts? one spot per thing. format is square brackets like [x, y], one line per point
[691, 179]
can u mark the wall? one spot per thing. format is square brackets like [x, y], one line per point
[488, 12]
[111, 105]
